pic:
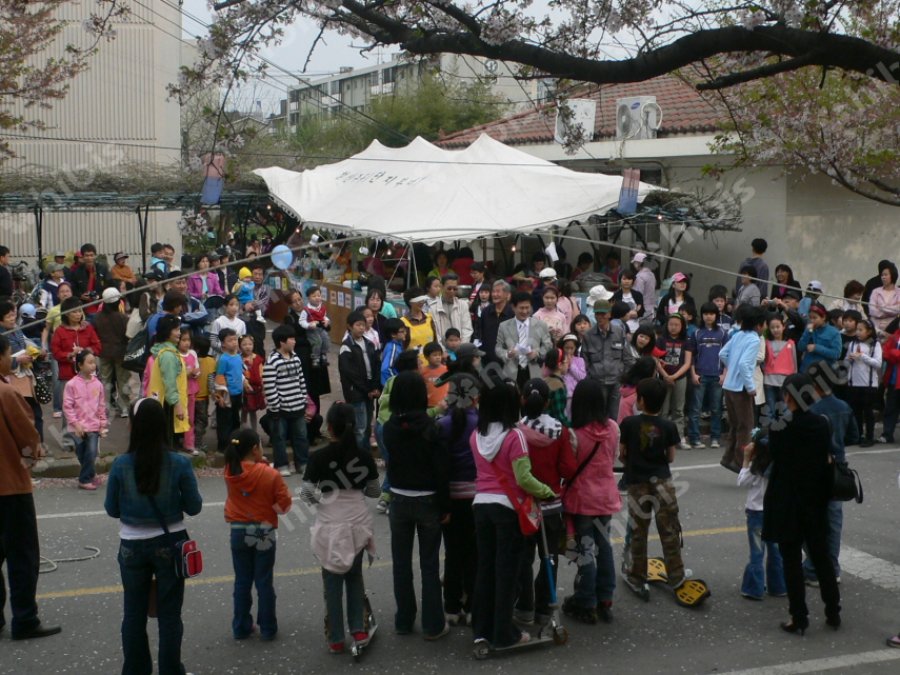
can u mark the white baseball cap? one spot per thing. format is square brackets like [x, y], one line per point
[111, 295]
[814, 286]
[639, 257]
[548, 273]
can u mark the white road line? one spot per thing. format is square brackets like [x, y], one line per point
[869, 568]
[698, 467]
[80, 514]
[845, 662]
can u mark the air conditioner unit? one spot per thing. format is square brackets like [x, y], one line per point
[637, 117]
[584, 115]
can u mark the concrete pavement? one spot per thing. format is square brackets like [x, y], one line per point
[727, 634]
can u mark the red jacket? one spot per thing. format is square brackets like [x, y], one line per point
[890, 353]
[550, 450]
[65, 339]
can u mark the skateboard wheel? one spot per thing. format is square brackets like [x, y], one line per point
[481, 650]
[560, 635]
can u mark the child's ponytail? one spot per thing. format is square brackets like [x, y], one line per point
[535, 397]
[240, 445]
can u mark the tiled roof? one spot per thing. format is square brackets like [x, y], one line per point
[684, 110]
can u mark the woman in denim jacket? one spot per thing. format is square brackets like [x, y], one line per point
[150, 473]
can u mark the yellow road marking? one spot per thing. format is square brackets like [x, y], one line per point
[200, 581]
[305, 571]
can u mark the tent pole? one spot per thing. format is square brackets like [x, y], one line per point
[39, 230]
[142, 229]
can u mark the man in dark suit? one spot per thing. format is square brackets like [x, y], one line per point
[489, 322]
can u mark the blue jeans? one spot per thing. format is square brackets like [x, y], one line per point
[596, 577]
[253, 558]
[410, 516]
[708, 391]
[139, 562]
[291, 427]
[382, 448]
[57, 386]
[833, 540]
[86, 452]
[334, 590]
[363, 410]
[757, 579]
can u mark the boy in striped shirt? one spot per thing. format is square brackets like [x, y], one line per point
[285, 391]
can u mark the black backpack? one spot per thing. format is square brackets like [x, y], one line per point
[137, 352]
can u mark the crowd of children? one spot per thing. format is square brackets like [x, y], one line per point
[467, 451]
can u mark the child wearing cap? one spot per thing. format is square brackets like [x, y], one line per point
[243, 289]
[122, 271]
[821, 342]
[672, 301]
[813, 291]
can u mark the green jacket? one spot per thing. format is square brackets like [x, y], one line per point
[169, 361]
[384, 404]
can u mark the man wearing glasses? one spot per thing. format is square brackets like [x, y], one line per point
[451, 311]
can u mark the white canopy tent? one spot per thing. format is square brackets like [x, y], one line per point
[423, 193]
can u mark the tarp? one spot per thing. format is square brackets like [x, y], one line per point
[424, 193]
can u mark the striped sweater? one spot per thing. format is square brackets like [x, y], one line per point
[283, 384]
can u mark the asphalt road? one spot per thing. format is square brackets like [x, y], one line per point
[727, 634]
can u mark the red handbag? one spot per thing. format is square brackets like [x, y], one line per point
[188, 557]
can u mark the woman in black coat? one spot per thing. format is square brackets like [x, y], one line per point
[317, 381]
[796, 503]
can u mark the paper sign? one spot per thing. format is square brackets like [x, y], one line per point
[551, 252]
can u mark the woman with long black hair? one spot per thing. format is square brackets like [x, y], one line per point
[455, 428]
[420, 503]
[503, 471]
[318, 383]
[150, 489]
[337, 479]
[795, 506]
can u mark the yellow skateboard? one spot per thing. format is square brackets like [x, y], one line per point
[692, 593]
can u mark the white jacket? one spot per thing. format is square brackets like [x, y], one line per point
[458, 317]
[866, 370]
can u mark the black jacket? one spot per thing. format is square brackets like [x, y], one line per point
[796, 501]
[486, 329]
[6, 282]
[419, 458]
[662, 309]
[79, 279]
[352, 368]
[637, 296]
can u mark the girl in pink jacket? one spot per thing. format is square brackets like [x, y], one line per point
[590, 499]
[84, 408]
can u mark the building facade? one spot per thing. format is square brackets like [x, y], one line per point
[117, 113]
[354, 88]
[823, 231]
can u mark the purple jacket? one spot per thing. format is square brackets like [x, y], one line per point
[195, 284]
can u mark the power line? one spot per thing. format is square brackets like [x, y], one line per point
[307, 82]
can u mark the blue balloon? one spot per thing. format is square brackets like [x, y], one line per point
[282, 257]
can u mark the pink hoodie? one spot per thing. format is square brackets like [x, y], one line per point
[594, 491]
[84, 404]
